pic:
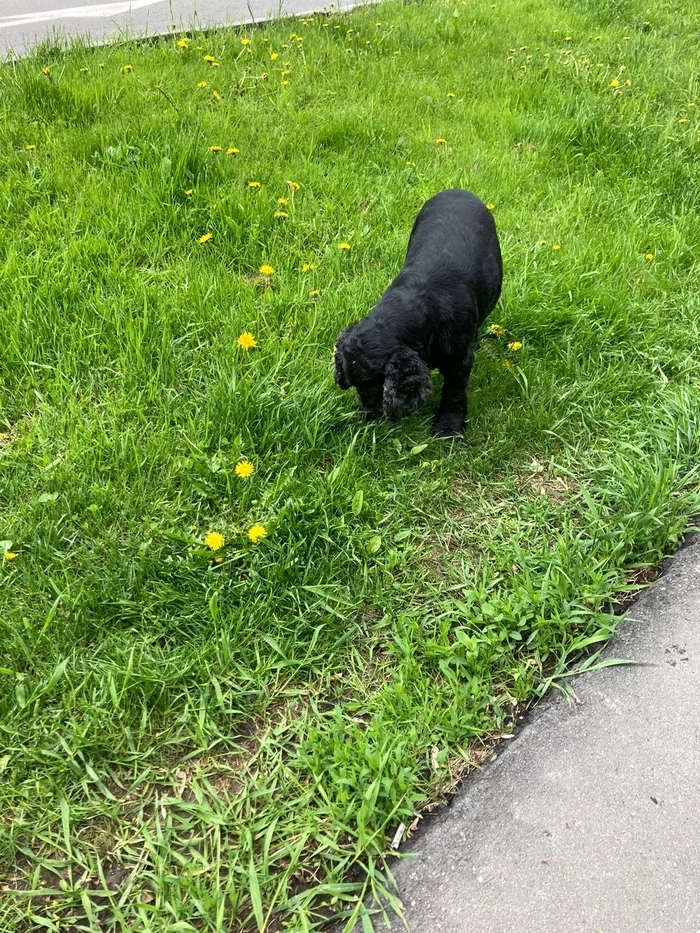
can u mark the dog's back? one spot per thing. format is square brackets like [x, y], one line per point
[453, 244]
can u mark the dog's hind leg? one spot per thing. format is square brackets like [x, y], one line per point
[452, 412]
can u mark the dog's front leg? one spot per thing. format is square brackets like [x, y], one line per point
[452, 412]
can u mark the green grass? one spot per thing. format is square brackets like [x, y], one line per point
[196, 745]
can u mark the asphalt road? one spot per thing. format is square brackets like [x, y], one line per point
[24, 23]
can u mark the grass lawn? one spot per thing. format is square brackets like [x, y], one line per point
[196, 737]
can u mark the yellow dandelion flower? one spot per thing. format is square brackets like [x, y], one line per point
[440, 142]
[9, 555]
[515, 345]
[201, 84]
[614, 83]
[344, 246]
[183, 44]
[281, 214]
[286, 72]
[127, 68]
[315, 293]
[214, 148]
[507, 363]
[648, 256]
[216, 95]
[498, 329]
[205, 237]
[274, 56]
[682, 120]
[450, 95]
[214, 540]
[625, 38]
[566, 39]
[253, 184]
[308, 267]
[256, 533]
[46, 71]
[556, 247]
[266, 270]
[208, 58]
[628, 83]
[245, 42]
[490, 206]
[100, 64]
[543, 242]
[285, 83]
[84, 71]
[244, 469]
[293, 185]
[246, 341]
[189, 192]
[283, 201]
[30, 147]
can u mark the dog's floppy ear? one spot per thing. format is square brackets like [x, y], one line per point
[407, 383]
[339, 357]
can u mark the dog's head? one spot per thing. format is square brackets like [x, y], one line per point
[392, 381]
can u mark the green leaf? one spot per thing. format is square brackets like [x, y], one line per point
[58, 673]
[255, 898]
[48, 497]
[418, 449]
[374, 544]
[357, 502]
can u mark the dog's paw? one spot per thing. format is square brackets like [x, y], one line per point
[448, 427]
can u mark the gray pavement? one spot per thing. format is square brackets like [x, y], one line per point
[24, 23]
[589, 820]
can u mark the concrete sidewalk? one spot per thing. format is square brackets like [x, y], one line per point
[589, 820]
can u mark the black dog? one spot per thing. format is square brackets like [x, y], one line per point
[428, 318]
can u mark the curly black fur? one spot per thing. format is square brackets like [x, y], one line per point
[428, 318]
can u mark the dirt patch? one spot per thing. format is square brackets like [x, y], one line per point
[636, 578]
[539, 481]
